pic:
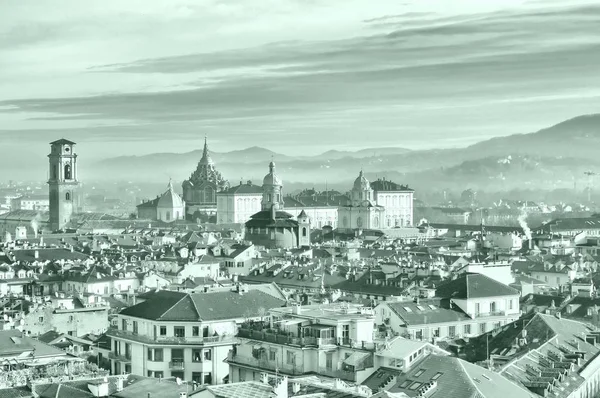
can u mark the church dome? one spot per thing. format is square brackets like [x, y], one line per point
[272, 178]
[361, 183]
[170, 199]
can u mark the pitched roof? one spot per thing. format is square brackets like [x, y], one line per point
[471, 285]
[247, 389]
[427, 312]
[62, 141]
[455, 378]
[177, 306]
[243, 189]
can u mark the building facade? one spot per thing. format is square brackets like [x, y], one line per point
[188, 336]
[168, 207]
[31, 202]
[362, 212]
[329, 340]
[63, 183]
[237, 204]
[200, 190]
[397, 201]
[272, 227]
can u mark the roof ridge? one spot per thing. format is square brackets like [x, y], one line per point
[173, 306]
[471, 381]
[195, 307]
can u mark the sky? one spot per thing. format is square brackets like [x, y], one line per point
[134, 77]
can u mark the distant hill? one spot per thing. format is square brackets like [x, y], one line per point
[558, 153]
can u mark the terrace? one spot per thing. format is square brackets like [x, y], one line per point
[170, 340]
[295, 333]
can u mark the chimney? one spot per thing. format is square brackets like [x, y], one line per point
[296, 388]
[36, 254]
[120, 383]
[558, 314]
[182, 394]
[264, 378]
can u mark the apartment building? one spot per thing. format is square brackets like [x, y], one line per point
[468, 306]
[174, 334]
[333, 340]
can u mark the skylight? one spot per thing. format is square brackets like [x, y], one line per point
[419, 372]
[405, 383]
[431, 306]
[407, 309]
[420, 308]
[437, 376]
[415, 385]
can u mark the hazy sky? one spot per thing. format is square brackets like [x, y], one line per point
[296, 76]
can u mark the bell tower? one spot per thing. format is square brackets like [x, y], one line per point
[62, 183]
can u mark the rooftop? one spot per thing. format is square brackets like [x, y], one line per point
[178, 306]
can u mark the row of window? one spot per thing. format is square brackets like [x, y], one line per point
[178, 354]
[197, 377]
[467, 330]
[178, 331]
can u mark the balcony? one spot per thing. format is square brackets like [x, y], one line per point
[263, 363]
[171, 340]
[277, 336]
[288, 369]
[488, 314]
[177, 364]
[338, 374]
[118, 357]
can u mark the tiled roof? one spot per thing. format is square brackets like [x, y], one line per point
[263, 219]
[28, 255]
[150, 204]
[247, 389]
[470, 285]
[243, 189]
[16, 392]
[566, 224]
[427, 312]
[456, 378]
[12, 341]
[549, 340]
[389, 186]
[176, 306]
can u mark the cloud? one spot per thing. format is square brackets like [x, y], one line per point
[290, 72]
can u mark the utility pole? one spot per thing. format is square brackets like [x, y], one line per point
[590, 175]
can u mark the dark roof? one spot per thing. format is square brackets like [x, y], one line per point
[48, 336]
[176, 306]
[149, 204]
[28, 255]
[263, 219]
[389, 186]
[247, 188]
[566, 224]
[471, 285]
[62, 141]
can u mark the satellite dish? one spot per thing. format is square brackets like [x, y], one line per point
[5, 317]
[22, 321]
[10, 319]
[178, 381]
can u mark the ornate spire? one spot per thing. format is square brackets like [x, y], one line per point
[205, 155]
[170, 185]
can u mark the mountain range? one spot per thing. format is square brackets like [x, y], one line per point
[552, 157]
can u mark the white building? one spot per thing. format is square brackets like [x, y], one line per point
[236, 204]
[397, 201]
[31, 202]
[363, 212]
[173, 334]
[379, 205]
